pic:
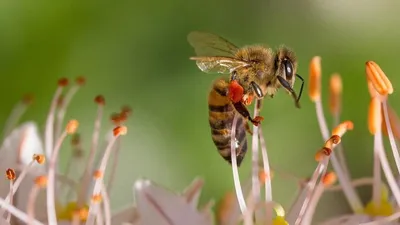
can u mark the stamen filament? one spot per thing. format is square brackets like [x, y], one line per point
[18, 213]
[11, 199]
[106, 205]
[308, 216]
[99, 181]
[387, 170]
[351, 195]
[255, 151]
[16, 185]
[267, 171]
[51, 210]
[390, 134]
[30, 208]
[93, 149]
[50, 122]
[63, 108]
[235, 172]
[114, 165]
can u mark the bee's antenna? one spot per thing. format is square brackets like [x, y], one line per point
[301, 88]
[286, 85]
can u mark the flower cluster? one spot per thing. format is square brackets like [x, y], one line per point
[38, 192]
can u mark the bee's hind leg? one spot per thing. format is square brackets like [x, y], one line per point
[241, 108]
[247, 126]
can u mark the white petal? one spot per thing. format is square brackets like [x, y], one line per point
[24, 142]
[158, 206]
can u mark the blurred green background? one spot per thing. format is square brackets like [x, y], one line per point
[136, 53]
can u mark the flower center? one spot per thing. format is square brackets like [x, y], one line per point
[67, 212]
[383, 209]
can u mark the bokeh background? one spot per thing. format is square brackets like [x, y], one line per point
[136, 53]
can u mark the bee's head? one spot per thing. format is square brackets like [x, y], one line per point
[286, 64]
[286, 67]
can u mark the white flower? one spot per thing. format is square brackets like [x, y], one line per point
[42, 194]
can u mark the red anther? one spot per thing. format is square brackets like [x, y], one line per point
[28, 99]
[120, 130]
[116, 118]
[62, 82]
[126, 110]
[257, 120]
[80, 80]
[10, 174]
[236, 91]
[76, 139]
[99, 99]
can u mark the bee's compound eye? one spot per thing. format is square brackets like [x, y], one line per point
[288, 69]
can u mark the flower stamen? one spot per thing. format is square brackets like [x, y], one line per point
[51, 212]
[100, 101]
[79, 82]
[118, 131]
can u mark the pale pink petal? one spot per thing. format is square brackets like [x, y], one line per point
[193, 191]
[4, 222]
[156, 205]
[352, 219]
[124, 216]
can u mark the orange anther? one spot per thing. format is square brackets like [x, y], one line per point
[322, 153]
[374, 115]
[83, 213]
[10, 174]
[120, 130]
[97, 174]
[72, 126]
[315, 79]
[329, 179]
[41, 181]
[335, 92]
[263, 176]
[378, 78]
[39, 158]
[97, 198]
[342, 128]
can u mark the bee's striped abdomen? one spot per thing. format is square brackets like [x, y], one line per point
[221, 114]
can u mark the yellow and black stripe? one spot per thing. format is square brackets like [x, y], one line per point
[221, 114]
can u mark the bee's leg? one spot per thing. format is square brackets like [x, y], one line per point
[241, 108]
[248, 129]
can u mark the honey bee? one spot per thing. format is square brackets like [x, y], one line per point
[255, 71]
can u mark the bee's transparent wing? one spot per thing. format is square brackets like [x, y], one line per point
[218, 64]
[206, 44]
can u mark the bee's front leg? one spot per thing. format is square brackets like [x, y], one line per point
[241, 108]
